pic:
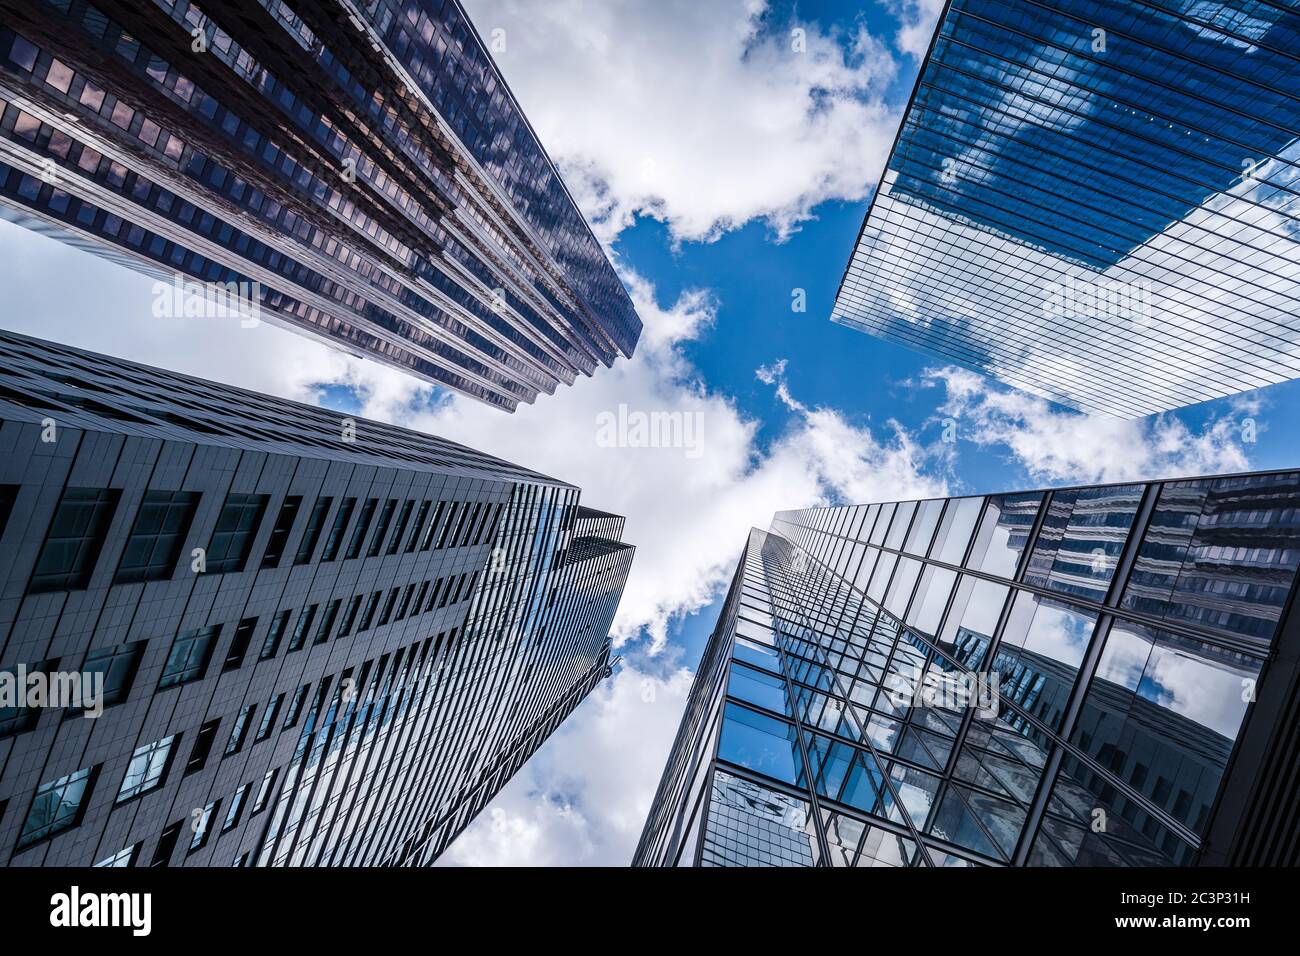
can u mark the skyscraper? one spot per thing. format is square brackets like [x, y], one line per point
[1100, 676]
[355, 171]
[302, 638]
[1095, 201]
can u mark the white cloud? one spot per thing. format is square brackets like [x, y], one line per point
[1062, 446]
[702, 115]
[917, 19]
[568, 805]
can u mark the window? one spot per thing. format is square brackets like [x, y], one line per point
[1082, 536]
[1152, 692]
[388, 607]
[300, 629]
[202, 746]
[8, 495]
[264, 792]
[416, 605]
[451, 520]
[57, 806]
[1220, 553]
[239, 731]
[280, 533]
[156, 538]
[406, 601]
[239, 645]
[1003, 533]
[402, 520]
[369, 614]
[146, 770]
[418, 526]
[295, 709]
[336, 530]
[74, 540]
[272, 643]
[233, 536]
[363, 523]
[189, 656]
[381, 528]
[19, 719]
[349, 616]
[758, 742]
[162, 854]
[432, 526]
[118, 664]
[315, 525]
[121, 858]
[268, 718]
[236, 808]
[201, 824]
[327, 621]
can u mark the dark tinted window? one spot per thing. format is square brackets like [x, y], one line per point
[157, 536]
[74, 540]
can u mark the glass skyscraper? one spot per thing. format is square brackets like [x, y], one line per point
[1096, 201]
[1100, 676]
[317, 640]
[358, 171]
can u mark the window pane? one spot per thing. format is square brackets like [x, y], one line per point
[1082, 537]
[757, 687]
[1038, 658]
[1221, 554]
[758, 742]
[968, 629]
[55, 807]
[927, 517]
[955, 529]
[156, 538]
[1163, 712]
[750, 825]
[233, 536]
[1003, 533]
[189, 656]
[931, 599]
[74, 540]
[146, 769]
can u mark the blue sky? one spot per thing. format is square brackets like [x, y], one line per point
[724, 170]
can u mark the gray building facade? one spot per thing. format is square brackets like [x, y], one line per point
[1091, 676]
[321, 640]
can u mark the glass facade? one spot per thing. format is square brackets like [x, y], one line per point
[1096, 202]
[1055, 678]
[356, 172]
[351, 707]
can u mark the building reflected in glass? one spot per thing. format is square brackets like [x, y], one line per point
[1082, 676]
[1096, 202]
[358, 172]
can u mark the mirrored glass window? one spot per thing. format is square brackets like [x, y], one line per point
[1221, 554]
[1082, 537]
[931, 598]
[970, 624]
[757, 687]
[750, 825]
[1003, 533]
[1162, 713]
[922, 531]
[759, 742]
[955, 529]
[1038, 658]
